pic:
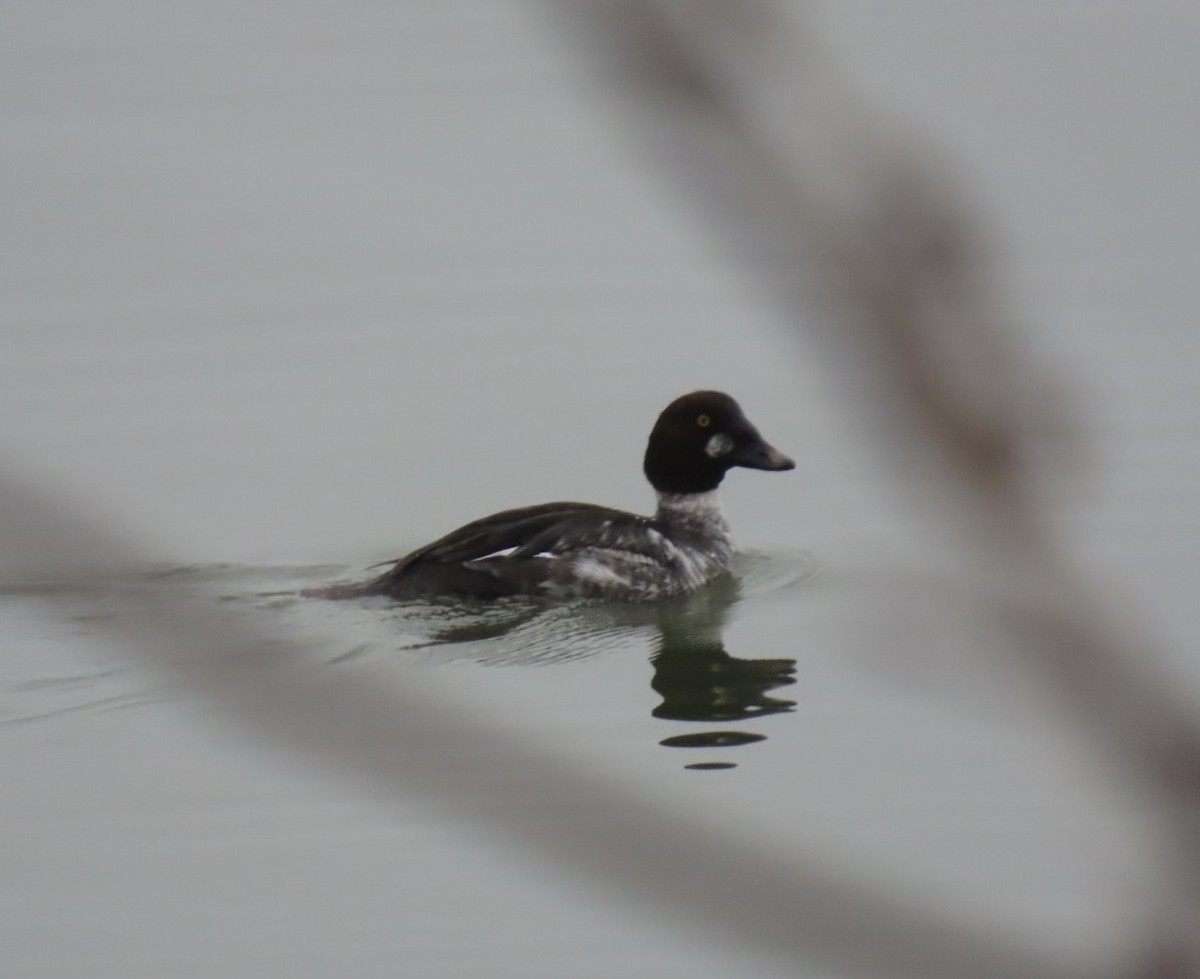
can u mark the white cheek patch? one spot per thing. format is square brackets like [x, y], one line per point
[717, 446]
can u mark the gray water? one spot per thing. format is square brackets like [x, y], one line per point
[291, 288]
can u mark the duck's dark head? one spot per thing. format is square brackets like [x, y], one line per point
[700, 437]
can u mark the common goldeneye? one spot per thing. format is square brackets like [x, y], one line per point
[588, 551]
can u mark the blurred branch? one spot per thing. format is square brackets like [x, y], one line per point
[814, 178]
[398, 743]
[786, 162]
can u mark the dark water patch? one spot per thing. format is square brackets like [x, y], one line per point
[712, 739]
[702, 682]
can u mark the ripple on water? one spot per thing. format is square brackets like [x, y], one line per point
[698, 680]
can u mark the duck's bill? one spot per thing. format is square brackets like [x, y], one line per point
[759, 455]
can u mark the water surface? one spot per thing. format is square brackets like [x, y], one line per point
[289, 292]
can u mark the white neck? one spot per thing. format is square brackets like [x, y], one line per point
[701, 508]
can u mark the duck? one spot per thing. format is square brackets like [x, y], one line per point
[583, 550]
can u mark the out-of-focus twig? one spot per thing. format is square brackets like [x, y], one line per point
[395, 742]
[782, 132]
[802, 162]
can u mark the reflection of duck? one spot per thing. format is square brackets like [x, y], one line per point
[704, 683]
[695, 675]
[698, 679]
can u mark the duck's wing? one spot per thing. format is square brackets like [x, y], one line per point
[604, 529]
[526, 531]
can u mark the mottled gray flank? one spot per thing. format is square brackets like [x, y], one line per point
[693, 548]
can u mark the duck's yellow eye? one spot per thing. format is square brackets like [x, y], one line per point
[703, 421]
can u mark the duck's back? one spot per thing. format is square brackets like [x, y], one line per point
[515, 552]
[552, 550]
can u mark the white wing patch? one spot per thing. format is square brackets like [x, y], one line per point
[590, 569]
[503, 552]
[508, 552]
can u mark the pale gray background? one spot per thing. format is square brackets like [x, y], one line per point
[287, 283]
